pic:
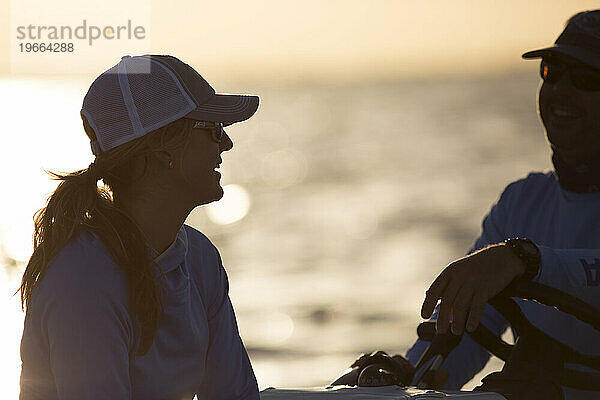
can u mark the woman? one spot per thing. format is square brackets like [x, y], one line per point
[123, 300]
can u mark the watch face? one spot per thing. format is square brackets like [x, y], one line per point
[528, 247]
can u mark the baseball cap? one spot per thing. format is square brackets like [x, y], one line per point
[143, 93]
[580, 39]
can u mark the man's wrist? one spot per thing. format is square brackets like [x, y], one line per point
[529, 254]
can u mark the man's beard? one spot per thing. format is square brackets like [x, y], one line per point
[579, 177]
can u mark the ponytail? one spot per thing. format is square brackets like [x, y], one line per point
[66, 212]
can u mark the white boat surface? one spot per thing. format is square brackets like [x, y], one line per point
[373, 393]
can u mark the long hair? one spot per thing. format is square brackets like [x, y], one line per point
[79, 204]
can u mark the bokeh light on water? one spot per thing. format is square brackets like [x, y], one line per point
[234, 205]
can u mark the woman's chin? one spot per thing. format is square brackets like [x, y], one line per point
[207, 198]
[220, 194]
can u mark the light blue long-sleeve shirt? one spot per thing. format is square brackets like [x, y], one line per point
[566, 227]
[79, 342]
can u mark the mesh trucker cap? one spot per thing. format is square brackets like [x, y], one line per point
[580, 39]
[143, 93]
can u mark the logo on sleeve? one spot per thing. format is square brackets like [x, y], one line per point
[592, 271]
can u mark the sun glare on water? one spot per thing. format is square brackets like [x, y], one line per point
[43, 131]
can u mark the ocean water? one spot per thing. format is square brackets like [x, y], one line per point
[346, 202]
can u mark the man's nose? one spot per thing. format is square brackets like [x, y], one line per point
[226, 143]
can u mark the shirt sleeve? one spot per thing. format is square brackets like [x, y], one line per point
[229, 374]
[468, 358]
[85, 324]
[573, 271]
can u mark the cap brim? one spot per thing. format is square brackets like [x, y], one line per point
[585, 56]
[226, 108]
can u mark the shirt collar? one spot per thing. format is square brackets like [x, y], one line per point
[175, 254]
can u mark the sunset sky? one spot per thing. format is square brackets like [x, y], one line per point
[291, 40]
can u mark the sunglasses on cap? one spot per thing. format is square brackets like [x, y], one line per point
[582, 77]
[216, 129]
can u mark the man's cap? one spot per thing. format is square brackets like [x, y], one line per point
[580, 39]
[143, 93]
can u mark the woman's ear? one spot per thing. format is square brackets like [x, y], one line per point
[165, 159]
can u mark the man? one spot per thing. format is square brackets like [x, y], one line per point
[555, 216]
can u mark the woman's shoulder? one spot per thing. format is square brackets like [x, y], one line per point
[83, 252]
[198, 241]
[82, 265]
[203, 256]
[195, 235]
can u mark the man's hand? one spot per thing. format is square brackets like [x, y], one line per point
[466, 285]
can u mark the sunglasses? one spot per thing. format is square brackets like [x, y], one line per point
[582, 77]
[216, 129]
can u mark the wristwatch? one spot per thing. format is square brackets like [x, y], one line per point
[528, 252]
